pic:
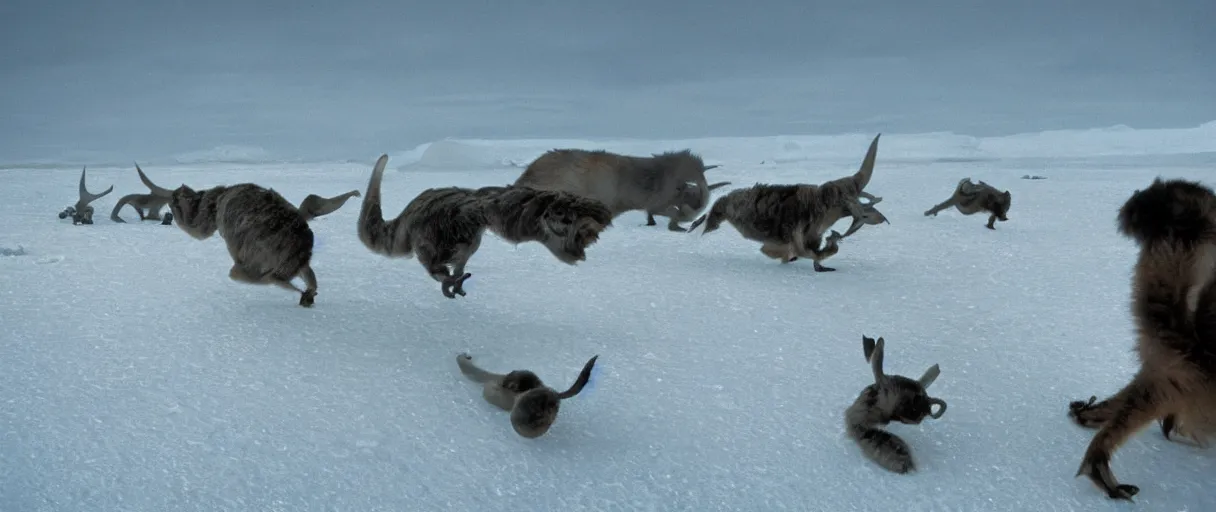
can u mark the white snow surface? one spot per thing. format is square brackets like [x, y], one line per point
[135, 376]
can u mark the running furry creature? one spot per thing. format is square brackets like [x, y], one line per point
[444, 226]
[81, 212]
[315, 206]
[971, 198]
[651, 184]
[790, 220]
[267, 237]
[152, 202]
[532, 404]
[1174, 308]
[890, 398]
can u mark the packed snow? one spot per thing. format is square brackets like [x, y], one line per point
[134, 375]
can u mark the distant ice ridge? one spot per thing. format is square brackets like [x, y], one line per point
[1119, 140]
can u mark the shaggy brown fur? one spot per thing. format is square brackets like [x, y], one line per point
[651, 184]
[315, 206]
[267, 238]
[444, 226]
[688, 205]
[890, 398]
[971, 198]
[1174, 306]
[790, 220]
[532, 404]
[81, 212]
[151, 202]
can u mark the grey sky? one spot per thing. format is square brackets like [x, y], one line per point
[143, 79]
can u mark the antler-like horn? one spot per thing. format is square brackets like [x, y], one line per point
[941, 407]
[718, 185]
[85, 196]
[708, 167]
[156, 190]
[583, 377]
[862, 177]
[930, 375]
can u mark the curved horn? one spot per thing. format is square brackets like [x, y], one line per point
[85, 196]
[708, 167]
[718, 185]
[583, 377]
[941, 409]
[156, 190]
[862, 177]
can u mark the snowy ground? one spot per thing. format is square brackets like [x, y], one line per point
[135, 376]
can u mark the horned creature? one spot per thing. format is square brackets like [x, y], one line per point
[790, 220]
[890, 398]
[81, 212]
[268, 239]
[688, 205]
[971, 198]
[1174, 308]
[624, 183]
[314, 206]
[532, 404]
[444, 226]
[151, 202]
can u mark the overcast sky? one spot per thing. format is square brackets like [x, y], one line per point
[354, 78]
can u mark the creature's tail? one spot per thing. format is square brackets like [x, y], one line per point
[471, 370]
[583, 377]
[713, 219]
[884, 448]
[373, 230]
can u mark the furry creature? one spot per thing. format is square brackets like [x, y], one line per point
[971, 198]
[315, 206]
[532, 404]
[890, 398]
[267, 237]
[81, 212]
[624, 183]
[1174, 307]
[152, 202]
[688, 205]
[444, 226]
[790, 220]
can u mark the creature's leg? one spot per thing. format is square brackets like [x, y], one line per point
[650, 219]
[1141, 403]
[461, 258]
[1094, 414]
[154, 213]
[941, 206]
[812, 251]
[991, 221]
[778, 252]
[309, 295]
[140, 211]
[1171, 424]
[438, 270]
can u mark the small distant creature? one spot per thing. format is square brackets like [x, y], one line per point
[81, 212]
[444, 226]
[890, 398]
[314, 206]
[1173, 303]
[532, 404]
[970, 198]
[790, 220]
[654, 184]
[152, 202]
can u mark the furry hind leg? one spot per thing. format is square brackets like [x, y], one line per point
[778, 252]
[461, 258]
[449, 283]
[241, 274]
[309, 295]
[941, 206]
[1142, 402]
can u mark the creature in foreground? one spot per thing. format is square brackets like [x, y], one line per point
[81, 212]
[532, 404]
[269, 241]
[971, 198]
[688, 205]
[444, 226]
[1174, 308]
[315, 206]
[890, 398]
[653, 184]
[790, 220]
[151, 202]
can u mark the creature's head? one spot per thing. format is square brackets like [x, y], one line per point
[683, 167]
[570, 223]
[185, 204]
[537, 406]
[1001, 205]
[1178, 210]
[910, 399]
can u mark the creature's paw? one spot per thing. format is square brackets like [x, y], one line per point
[1097, 468]
[676, 228]
[990, 226]
[930, 213]
[454, 286]
[308, 298]
[1085, 413]
[821, 268]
